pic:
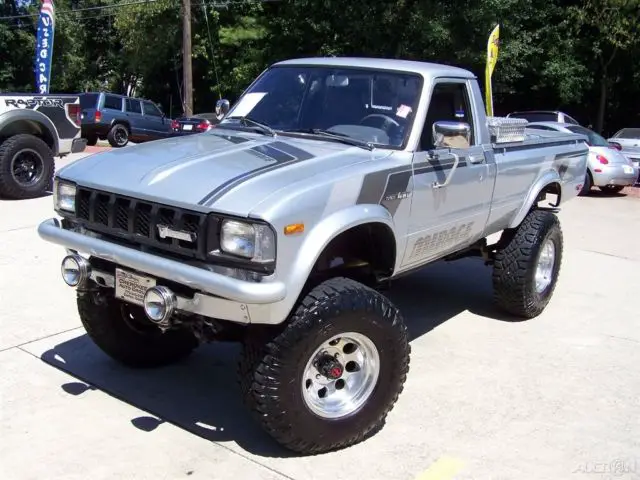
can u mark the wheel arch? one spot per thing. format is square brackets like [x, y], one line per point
[30, 122]
[548, 183]
[120, 121]
[329, 238]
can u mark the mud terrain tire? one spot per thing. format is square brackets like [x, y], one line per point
[122, 332]
[274, 370]
[20, 152]
[515, 265]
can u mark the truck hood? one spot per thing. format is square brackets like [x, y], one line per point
[222, 170]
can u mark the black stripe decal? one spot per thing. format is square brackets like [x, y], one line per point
[378, 186]
[282, 153]
[513, 148]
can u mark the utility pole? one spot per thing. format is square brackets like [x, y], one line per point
[187, 75]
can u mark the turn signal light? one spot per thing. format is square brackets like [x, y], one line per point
[294, 228]
[603, 160]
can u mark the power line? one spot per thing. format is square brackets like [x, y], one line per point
[222, 4]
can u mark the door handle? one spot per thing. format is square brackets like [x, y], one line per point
[475, 159]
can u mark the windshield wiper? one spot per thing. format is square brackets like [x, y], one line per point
[247, 121]
[344, 138]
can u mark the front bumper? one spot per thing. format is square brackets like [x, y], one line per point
[614, 175]
[246, 295]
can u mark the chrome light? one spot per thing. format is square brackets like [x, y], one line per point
[159, 305]
[253, 241]
[64, 196]
[75, 270]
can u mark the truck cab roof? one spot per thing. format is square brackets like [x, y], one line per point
[425, 69]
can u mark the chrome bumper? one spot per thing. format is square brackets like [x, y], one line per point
[193, 277]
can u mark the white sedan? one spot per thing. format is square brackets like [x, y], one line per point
[607, 168]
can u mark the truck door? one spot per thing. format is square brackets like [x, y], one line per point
[453, 185]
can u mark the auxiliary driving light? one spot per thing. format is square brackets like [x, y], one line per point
[159, 305]
[75, 270]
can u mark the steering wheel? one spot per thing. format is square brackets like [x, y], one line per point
[386, 120]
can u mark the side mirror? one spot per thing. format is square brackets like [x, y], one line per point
[222, 107]
[451, 134]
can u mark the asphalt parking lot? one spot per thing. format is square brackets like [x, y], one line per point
[556, 397]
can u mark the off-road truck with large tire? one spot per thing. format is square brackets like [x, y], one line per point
[33, 130]
[328, 178]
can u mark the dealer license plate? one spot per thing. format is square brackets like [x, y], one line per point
[131, 287]
[187, 127]
[628, 169]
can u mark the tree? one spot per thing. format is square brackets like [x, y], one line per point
[607, 28]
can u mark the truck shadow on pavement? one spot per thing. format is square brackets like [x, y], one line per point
[201, 394]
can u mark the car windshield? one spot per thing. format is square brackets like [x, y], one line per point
[594, 139]
[628, 133]
[366, 105]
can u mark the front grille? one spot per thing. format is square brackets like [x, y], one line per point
[138, 220]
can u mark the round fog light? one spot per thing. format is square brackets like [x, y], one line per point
[159, 305]
[75, 270]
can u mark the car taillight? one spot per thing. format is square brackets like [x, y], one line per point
[203, 126]
[615, 145]
[603, 160]
[98, 117]
[175, 125]
[74, 111]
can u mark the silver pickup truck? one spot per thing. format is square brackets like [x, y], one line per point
[327, 179]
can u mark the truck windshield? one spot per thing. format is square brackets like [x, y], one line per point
[594, 139]
[372, 106]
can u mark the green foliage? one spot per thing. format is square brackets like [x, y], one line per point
[562, 54]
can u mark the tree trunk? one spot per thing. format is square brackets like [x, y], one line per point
[602, 104]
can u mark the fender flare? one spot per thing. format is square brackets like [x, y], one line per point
[126, 123]
[32, 116]
[547, 178]
[322, 234]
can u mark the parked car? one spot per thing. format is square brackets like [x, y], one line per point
[201, 122]
[627, 141]
[329, 178]
[607, 168]
[544, 116]
[120, 119]
[33, 130]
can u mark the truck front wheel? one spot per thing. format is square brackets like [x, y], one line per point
[331, 376]
[526, 268]
[122, 332]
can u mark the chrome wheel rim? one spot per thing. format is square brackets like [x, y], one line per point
[27, 167]
[544, 269]
[341, 375]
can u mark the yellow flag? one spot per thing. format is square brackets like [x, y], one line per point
[492, 59]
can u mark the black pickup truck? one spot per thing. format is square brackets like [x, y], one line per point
[33, 130]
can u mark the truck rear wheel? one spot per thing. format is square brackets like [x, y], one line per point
[26, 167]
[123, 332]
[526, 269]
[331, 376]
[118, 136]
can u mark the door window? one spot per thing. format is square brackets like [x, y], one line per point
[449, 102]
[151, 109]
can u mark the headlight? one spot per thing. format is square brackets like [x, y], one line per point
[64, 196]
[249, 240]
